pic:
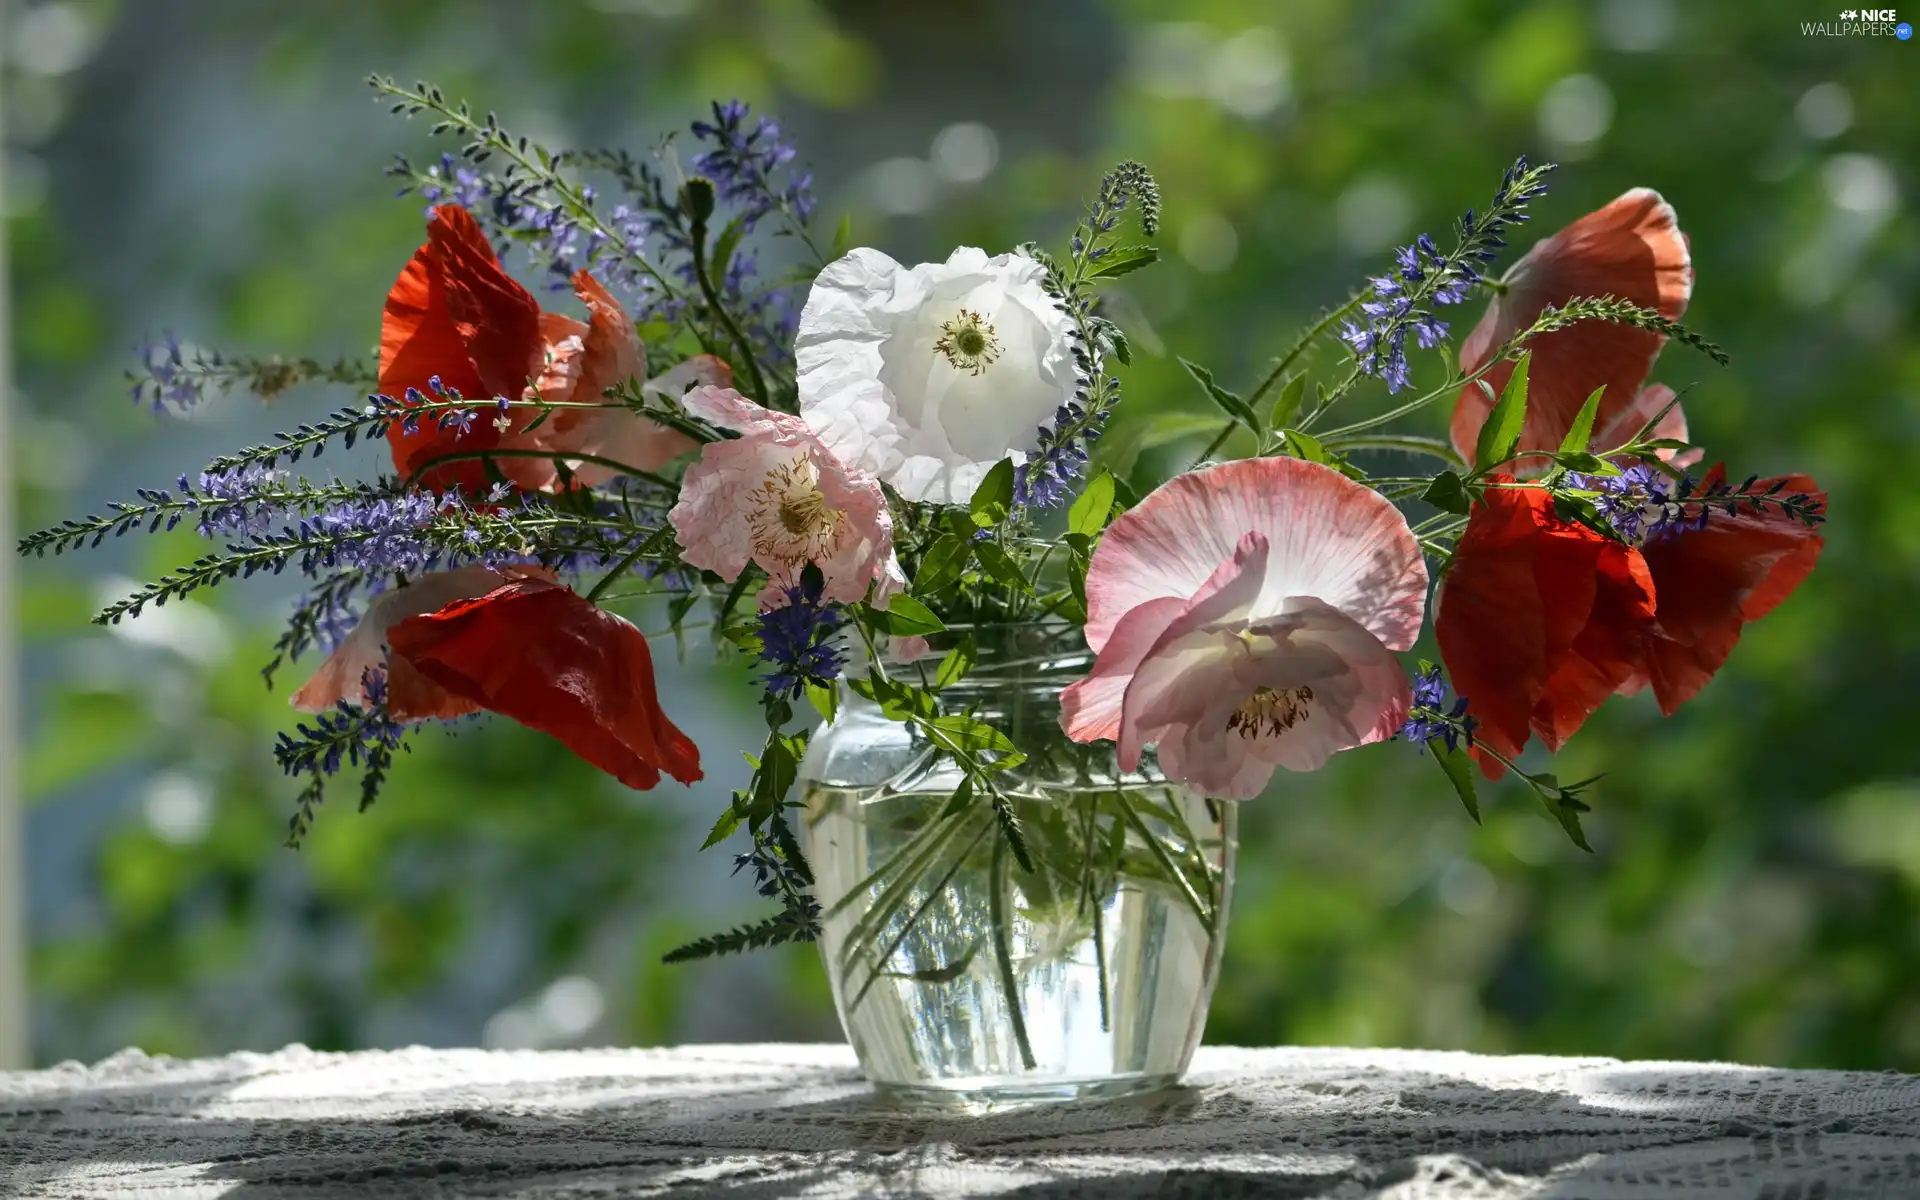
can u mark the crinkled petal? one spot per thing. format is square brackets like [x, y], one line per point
[1521, 591]
[497, 318]
[455, 314]
[537, 652]
[1179, 676]
[1713, 580]
[410, 696]
[884, 397]
[1631, 249]
[1090, 708]
[1329, 536]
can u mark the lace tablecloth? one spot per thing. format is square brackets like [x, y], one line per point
[767, 1121]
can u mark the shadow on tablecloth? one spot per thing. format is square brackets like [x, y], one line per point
[1325, 1128]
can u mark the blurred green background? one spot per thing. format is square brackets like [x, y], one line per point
[213, 166]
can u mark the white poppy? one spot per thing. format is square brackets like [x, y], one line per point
[925, 377]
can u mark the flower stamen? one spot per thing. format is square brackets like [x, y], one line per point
[969, 342]
[791, 520]
[1268, 713]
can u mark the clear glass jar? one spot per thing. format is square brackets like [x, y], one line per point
[961, 976]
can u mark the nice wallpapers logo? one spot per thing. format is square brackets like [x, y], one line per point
[1860, 22]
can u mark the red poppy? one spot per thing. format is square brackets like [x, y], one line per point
[541, 654]
[1538, 619]
[1632, 250]
[455, 313]
[1711, 581]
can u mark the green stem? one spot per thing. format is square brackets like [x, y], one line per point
[1299, 347]
[1306, 340]
[611, 464]
[1332, 398]
[998, 885]
[1219, 440]
[1432, 447]
[936, 892]
[747, 359]
[1159, 852]
[621, 568]
[497, 141]
[912, 846]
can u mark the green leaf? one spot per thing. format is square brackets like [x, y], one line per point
[724, 246]
[907, 617]
[1448, 493]
[1229, 402]
[774, 775]
[898, 701]
[1288, 402]
[843, 236]
[944, 562]
[1459, 770]
[1581, 511]
[1122, 349]
[1089, 513]
[1134, 438]
[961, 800]
[957, 664]
[1078, 559]
[1582, 432]
[972, 734]
[1564, 805]
[1122, 260]
[999, 564]
[825, 700]
[723, 828]
[1646, 431]
[1586, 464]
[1501, 433]
[993, 499]
[1305, 445]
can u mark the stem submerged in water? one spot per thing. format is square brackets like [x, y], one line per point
[999, 883]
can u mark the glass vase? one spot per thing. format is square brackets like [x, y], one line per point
[964, 975]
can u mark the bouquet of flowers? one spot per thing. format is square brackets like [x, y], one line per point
[845, 471]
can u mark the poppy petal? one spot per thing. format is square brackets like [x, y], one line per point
[1631, 249]
[410, 696]
[539, 653]
[1654, 400]
[1533, 619]
[498, 319]
[1713, 580]
[1330, 538]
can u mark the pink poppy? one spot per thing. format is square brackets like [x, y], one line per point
[410, 695]
[777, 496]
[1244, 618]
[1631, 249]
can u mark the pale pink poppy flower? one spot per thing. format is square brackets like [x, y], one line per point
[776, 496]
[1244, 618]
[410, 695]
[907, 650]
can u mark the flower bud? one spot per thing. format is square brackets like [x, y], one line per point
[696, 199]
